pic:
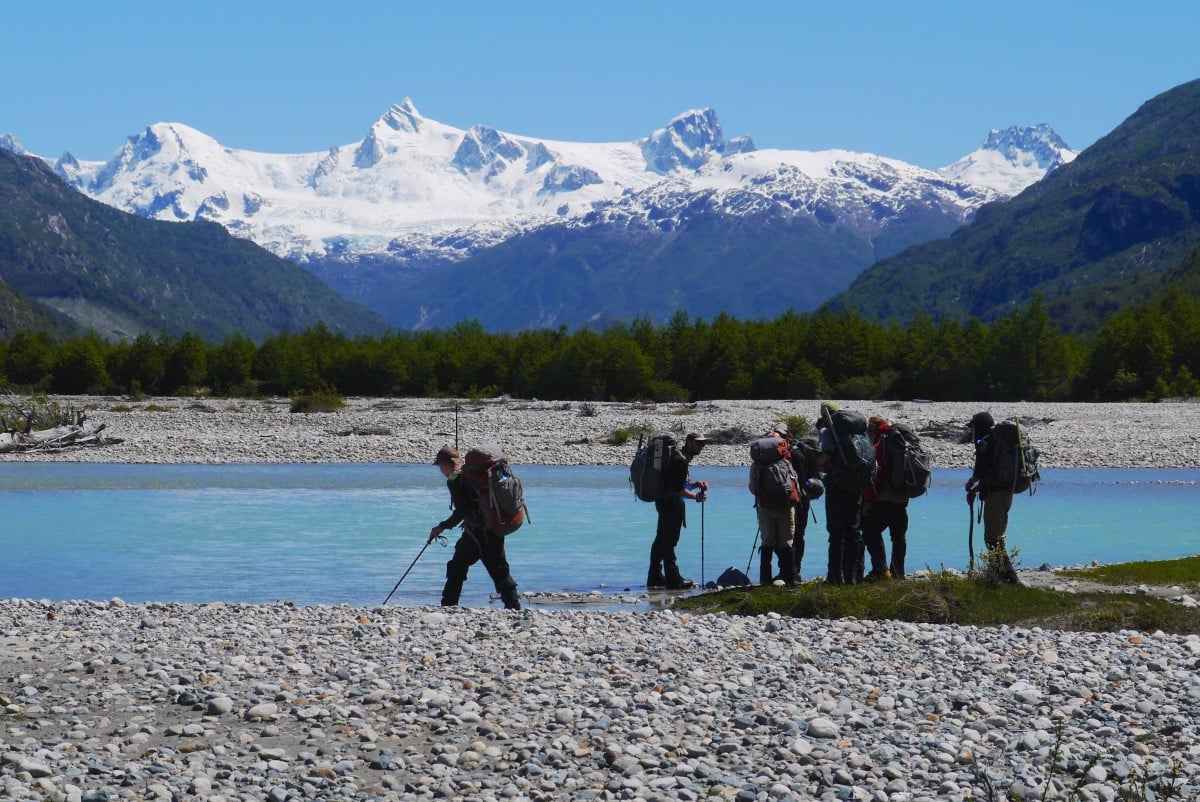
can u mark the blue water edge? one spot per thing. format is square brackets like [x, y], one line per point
[344, 533]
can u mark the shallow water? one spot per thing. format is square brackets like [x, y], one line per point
[334, 533]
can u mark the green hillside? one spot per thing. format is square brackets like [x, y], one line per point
[18, 313]
[122, 275]
[1106, 230]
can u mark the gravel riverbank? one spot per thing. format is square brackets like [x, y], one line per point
[105, 701]
[209, 430]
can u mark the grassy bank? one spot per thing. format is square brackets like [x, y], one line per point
[945, 598]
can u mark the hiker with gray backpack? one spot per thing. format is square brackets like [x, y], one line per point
[848, 459]
[1005, 464]
[776, 489]
[660, 473]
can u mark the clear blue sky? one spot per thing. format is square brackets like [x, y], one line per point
[919, 81]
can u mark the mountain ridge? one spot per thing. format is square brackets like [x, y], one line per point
[380, 220]
[1089, 237]
[122, 275]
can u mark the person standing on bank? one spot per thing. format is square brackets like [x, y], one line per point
[476, 543]
[884, 508]
[996, 497]
[664, 569]
[776, 488]
[849, 463]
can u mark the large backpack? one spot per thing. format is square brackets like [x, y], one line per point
[806, 452]
[1014, 460]
[647, 471]
[497, 489]
[773, 479]
[853, 465]
[907, 461]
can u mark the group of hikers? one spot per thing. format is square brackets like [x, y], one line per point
[867, 470]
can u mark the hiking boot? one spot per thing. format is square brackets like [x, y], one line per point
[878, 576]
[680, 583]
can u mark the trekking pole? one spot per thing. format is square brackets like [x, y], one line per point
[410, 567]
[971, 533]
[753, 546]
[701, 544]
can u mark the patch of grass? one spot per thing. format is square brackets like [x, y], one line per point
[326, 399]
[797, 425]
[946, 598]
[155, 408]
[1184, 572]
[34, 412]
[621, 436]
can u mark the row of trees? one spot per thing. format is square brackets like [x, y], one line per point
[1145, 352]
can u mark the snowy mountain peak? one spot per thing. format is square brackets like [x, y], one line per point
[1012, 159]
[403, 116]
[10, 142]
[689, 141]
[1039, 141]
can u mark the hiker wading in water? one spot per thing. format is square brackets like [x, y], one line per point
[476, 543]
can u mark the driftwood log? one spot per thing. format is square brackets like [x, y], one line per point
[59, 437]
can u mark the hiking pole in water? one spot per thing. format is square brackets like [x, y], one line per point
[702, 544]
[410, 567]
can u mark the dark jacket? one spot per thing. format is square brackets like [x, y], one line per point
[985, 460]
[464, 504]
[675, 473]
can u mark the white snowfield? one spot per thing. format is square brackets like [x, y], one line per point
[412, 181]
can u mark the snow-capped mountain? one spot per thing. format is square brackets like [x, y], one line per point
[416, 193]
[1008, 161]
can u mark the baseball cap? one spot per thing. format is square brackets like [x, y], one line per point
[445, 454]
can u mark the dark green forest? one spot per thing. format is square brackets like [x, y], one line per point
[1147, 351]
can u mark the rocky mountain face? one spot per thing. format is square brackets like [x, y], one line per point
[122, 275]
[1110, 228]
[418, 217]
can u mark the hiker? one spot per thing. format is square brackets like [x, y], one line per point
[805, 452]
[476, 543]
[996, 497]
[849, 463]
[678, 485]
[884, 507]
[776, 489]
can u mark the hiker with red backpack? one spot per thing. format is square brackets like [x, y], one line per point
[884, 507]
[484, 522]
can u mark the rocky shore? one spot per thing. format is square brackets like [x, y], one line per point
[108, 701]
[105, 701]
[210, 430]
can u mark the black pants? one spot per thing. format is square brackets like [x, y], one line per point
[472, 547]
[671, 520]
[841, 520]
[892, 516]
